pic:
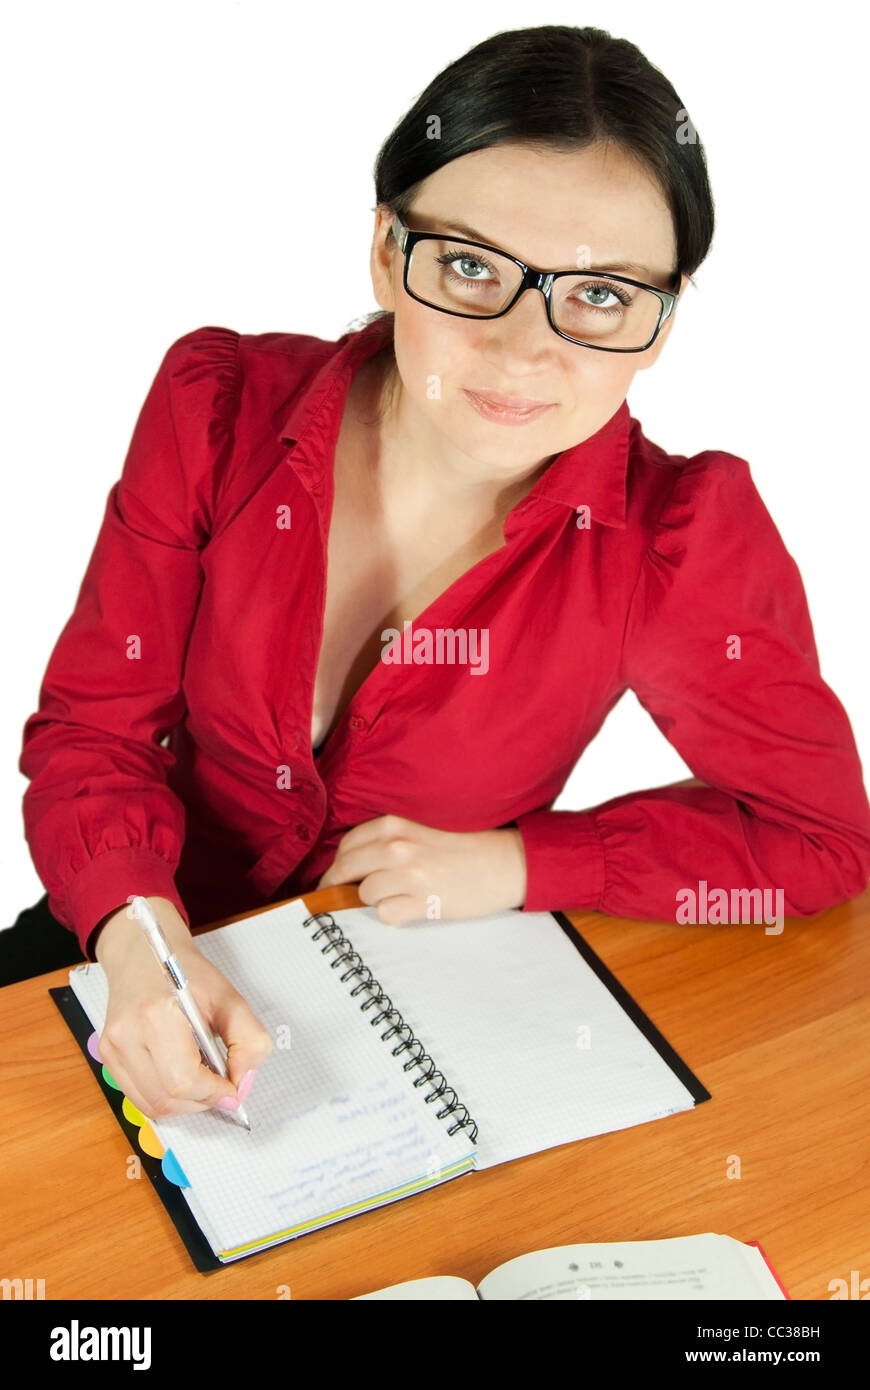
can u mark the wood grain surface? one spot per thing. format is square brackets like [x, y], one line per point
[776, 1027]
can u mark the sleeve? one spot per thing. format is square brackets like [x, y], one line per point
[719, 649]
[99, 817]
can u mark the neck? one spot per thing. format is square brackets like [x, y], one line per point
[419, 469]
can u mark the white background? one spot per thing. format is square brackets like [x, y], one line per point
[174, 165]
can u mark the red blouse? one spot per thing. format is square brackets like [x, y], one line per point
[171, 753]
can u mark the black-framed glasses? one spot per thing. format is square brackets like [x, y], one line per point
[592, 308]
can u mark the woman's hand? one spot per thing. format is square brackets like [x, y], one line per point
[147, 1043]
[412, 872]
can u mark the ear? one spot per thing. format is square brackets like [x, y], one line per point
[646, 359]
[384, 256]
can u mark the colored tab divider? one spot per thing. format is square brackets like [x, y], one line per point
[148, 1141]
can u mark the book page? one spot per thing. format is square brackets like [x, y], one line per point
[533, 1042]
[704, 1267]
[439, 1286]
[337, 1126]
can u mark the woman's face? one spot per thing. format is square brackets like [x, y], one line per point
[547, 209]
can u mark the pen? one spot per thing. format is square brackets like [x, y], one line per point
[205, 1039]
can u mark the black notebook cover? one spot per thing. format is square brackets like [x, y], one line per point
[197, 1246]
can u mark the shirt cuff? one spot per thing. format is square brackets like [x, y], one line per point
[105, 884]
[564, 861]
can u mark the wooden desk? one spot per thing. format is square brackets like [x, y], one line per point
[776, 1027]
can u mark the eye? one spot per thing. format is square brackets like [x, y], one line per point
[467, 264]
[605, 291]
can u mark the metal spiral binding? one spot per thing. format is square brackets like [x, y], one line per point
[327, 926]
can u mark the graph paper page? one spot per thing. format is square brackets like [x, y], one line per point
[535, 1045]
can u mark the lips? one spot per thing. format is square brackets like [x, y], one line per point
[508, 402]
[486, 404]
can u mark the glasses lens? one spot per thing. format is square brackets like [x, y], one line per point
[604, 312]
[463, 279]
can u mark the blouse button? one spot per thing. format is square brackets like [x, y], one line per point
[303, 832]
[356, 722]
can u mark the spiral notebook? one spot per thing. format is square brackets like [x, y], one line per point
[403, 1057]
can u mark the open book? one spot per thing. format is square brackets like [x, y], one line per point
[686, 1267]
[403, 1057]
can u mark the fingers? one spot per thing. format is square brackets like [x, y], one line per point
[361, 849]
[405, 878]
[380, 828]
[248, 1042]
[154, 1059]
[186, 1082]
[353, 863]
[138, 1080]
[398, 910]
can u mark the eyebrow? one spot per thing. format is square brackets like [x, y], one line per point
[631, 267]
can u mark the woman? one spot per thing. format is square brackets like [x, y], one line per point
[457, 488]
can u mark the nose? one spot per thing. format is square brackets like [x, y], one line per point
[528, 316]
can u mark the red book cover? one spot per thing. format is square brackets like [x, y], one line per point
[771, 1268]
